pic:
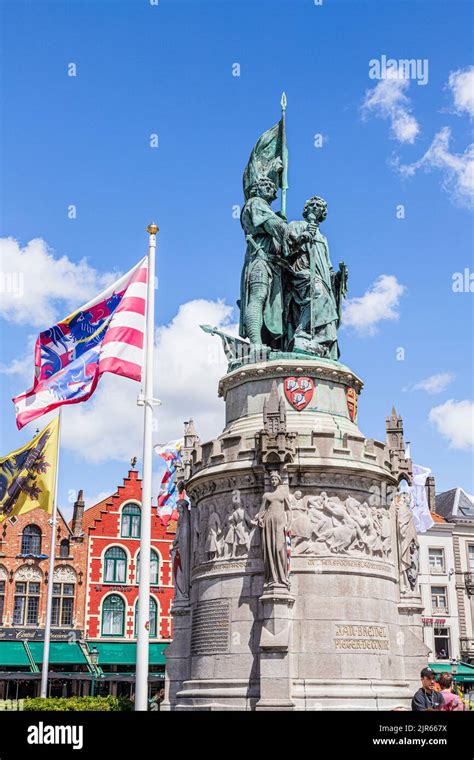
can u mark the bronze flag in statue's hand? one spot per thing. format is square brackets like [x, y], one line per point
[267, 158]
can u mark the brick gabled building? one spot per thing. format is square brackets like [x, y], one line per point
[112, 528]
[25, 546]
[94, 600]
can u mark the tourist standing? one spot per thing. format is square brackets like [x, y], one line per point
[427, 698]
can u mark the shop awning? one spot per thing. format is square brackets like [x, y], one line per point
[464, 671]
[13, 654]
[128, 677]
[53, 675]
[19, 676]
[125, 653]
[60, 653]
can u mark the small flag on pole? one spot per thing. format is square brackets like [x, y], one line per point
[170, 455]
[104, 335]
[28, 475]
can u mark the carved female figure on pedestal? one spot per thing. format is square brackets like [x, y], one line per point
[180, 549]
[408, 541]
[274, 519]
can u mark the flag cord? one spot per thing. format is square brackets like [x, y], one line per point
[49, 597]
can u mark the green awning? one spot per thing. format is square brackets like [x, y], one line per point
[464, 672]
[13, 653]
[118, 653]
[60, 652]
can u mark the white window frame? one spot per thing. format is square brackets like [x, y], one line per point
[438, 609]
[470, 553]
[437, 570]
[448, 637]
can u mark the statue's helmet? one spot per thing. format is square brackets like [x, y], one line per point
[317, 204]
[263, 187]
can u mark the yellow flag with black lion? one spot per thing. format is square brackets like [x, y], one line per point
[28, 475]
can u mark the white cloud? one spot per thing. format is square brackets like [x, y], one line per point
[387, 100]
[37, 287]
[22, 366]
[433, 384]
[457, 168]
[379, 303]
[91, 501]
[455, 421]
[461, 84]
[188, 365]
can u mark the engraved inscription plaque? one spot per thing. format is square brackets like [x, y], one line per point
[210, 628]
[368, 638]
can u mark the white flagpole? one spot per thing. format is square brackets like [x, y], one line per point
[146, 400]
[52, 552]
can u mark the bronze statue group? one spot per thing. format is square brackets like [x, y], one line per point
[290, 296]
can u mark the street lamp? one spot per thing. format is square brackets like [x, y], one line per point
[454, 667]
[94, 655]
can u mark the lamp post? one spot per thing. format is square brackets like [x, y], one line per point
[454, 667]
[94, 655]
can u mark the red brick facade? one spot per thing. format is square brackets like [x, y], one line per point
[107, 528]
[27, 577]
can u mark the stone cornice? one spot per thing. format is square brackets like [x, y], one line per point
[329, 371]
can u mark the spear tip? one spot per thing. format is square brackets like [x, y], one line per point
[283, 101]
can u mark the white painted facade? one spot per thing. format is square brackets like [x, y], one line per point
[437, 581]
[463, 540]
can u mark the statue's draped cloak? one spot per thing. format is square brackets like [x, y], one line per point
[310, 260]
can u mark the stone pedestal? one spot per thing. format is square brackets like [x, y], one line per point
[342, 638]
[177, 653]
[275, 662]
[410, 611]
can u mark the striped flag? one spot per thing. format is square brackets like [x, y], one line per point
[170, 459]
[104, 335]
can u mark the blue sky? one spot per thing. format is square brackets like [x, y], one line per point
[168, 70]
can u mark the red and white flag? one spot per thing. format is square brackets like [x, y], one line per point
[104, 335]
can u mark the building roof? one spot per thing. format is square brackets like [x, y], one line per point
[437, 518]
[96, 512]
[455, 503]
[93, 513]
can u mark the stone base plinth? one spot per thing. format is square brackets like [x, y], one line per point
[342, 637]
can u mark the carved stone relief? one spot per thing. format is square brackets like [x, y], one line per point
[322, 523]
[28, 573]
[223, 532]
[64, 574]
